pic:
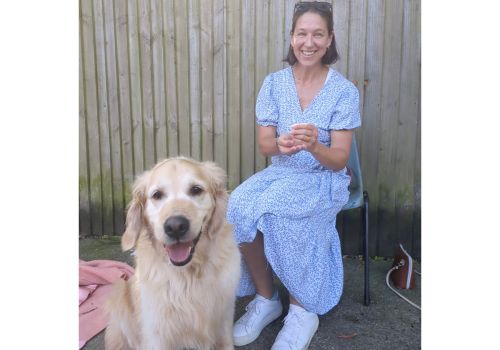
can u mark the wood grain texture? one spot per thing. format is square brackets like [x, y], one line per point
[163, 78]
[182, 77]
[91, 116]
[207, 52]
[83, 177]
[135, 86]
[233, 38]
[355, 73]
[391, 74]
[158, 81]
[194, 77]
[408, 123]
[247, 68]
[113, 104]
[103, 117]
[262, 37]
[169, 39]
[124, 96]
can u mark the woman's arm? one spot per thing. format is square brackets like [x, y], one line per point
[334, 157]
[270, 145]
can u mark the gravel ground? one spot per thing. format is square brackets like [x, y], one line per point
[388, 323]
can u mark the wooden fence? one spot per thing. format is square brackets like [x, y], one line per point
[160, 78]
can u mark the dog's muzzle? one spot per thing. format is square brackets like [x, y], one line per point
[180, 252]
[176, 226]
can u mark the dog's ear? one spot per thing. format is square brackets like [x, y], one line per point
[135, 212]
[217, 179]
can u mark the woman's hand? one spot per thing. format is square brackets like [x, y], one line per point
[306, 134]
[288, 145]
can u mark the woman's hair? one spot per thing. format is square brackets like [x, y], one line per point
[324, 9]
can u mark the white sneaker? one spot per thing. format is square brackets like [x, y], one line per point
[260, 312]
[300, 326]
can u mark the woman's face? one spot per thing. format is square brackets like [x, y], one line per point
[310, 39]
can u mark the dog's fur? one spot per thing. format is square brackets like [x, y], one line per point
[164, 306]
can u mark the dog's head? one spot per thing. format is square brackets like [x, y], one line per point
[175, 203]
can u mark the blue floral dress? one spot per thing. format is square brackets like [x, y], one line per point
[294, 202]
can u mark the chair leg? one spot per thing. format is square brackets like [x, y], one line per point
[365, 248]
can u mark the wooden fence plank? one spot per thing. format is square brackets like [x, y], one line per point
[357, 40]
[390, 113]
[194, 77]
[220, 93]
[340, 11]
[114, 117]
[277, 34]
[83, 178]
[182, 63]
[233, 92]
[356, 74]
[207, 53]
[171, 78]
[145, 58]
[371, 112]
[158, 77]
[341, 29]
[135, 86]
[103, 117]
[121, 28]
[288, 20]
[247, 89]
[91, 114]
[408, 123]
[162, 78]
[276, 40]
[261, 65]
[416, 229]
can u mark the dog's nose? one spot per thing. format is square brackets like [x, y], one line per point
[176, 226]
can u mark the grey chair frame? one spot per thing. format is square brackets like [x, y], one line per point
[358, 198]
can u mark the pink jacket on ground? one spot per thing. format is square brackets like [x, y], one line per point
[96, 278]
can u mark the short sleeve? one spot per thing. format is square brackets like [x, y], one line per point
[266, 109]
[346, 112]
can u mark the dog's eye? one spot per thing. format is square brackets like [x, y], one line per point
[157, 195]
[195, 190]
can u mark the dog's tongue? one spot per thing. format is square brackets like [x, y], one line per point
[179, 252]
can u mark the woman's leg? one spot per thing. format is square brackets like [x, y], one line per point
[257, 264]
[293, 300]
[262, 310]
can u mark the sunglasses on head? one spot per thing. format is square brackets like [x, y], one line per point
[317, 5]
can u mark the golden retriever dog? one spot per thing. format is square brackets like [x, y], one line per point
[183, 292]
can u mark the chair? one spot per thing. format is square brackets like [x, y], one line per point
[359, 199]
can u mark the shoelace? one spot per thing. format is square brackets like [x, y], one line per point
[292, 325]
[251, 309]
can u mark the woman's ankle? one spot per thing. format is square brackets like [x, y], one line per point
[271, 294]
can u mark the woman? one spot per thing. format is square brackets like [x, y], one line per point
[284, 216]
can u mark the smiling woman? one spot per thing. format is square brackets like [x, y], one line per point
[324, 10]
[284, 216]
[310, 39]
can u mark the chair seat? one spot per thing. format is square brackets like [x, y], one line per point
[355, 199]
[356, 186]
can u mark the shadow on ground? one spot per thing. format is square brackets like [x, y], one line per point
[388, 323]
